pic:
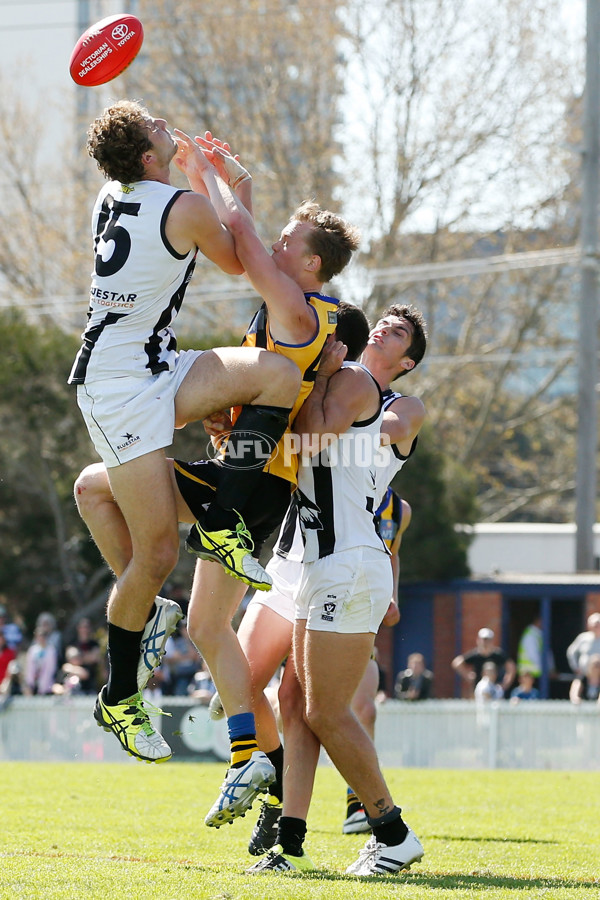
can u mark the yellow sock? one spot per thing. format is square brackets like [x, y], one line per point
[242, 750]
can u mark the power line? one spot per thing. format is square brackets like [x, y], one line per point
[393, 275]
[488, 265]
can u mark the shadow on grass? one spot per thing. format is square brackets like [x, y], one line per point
[455, 881]
[494, 840]
[463, 881]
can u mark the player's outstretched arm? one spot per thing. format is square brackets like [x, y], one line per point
[228, 166]
[291, 319]
[402, 421]
[335, 402]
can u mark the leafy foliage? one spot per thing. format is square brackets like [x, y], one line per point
[267, 77]
[441, 494]
[45, 554]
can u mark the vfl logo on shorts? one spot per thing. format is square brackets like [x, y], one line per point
[328, 611]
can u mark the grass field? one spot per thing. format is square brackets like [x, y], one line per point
[101, 832]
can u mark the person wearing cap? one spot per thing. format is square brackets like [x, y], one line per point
[470, 665]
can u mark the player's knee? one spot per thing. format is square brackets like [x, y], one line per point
[318, 718]
[206, 633]
[161, 558]
[365, 712]
[195, 632]
[291, 700]
[285, 374]
[91, 487]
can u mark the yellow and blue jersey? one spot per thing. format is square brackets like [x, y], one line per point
[388, 517]
[306, 356]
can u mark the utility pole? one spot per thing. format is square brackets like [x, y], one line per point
[82, 99]
[587, 429]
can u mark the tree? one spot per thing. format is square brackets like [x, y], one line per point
[463, 149]
[441, 494]
[46, 557]
[445, 128]
[265, 76]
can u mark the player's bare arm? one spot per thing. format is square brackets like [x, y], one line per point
[350, 396]
[228, 166]
[193, 221]
[290, 318]
[402, 421]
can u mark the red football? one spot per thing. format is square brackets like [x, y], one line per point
[105, 49]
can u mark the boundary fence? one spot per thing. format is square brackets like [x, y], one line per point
[453, 734]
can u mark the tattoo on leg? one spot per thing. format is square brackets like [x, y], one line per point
[382, 807]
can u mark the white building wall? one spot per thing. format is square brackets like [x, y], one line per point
[522, 548]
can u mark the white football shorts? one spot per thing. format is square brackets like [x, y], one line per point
[129, 417]
[286, 575]
[347, 592]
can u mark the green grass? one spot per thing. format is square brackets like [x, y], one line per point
[115, 832]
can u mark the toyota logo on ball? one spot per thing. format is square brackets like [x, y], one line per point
[119, 31]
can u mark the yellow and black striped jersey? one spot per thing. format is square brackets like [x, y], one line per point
[306, 356]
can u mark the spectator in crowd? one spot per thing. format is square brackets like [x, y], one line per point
[488, 688]
[73, 676]
[182, 661]
[47, 624]
[470, 665]
[530, 653]
[416, 681]
[11, 630]
[90, 656]
[525, 689]
[158, 685]
[41, 663]
[585, 645]
[7, 654]
[10, 685]
[587, 687]
[202, 688]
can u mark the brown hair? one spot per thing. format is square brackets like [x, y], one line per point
[117, 140]
[418, 345]
[331, 238]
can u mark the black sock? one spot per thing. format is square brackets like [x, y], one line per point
[253, 438]
[276, 757]
[291, 834]
[123, 656]
[389, 829]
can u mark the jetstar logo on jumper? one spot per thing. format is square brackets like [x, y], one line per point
[112, 298]
[129, 440]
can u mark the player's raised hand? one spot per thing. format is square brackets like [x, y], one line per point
[227, 164]
[210, 139]
[332, 357]
[190, 158]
